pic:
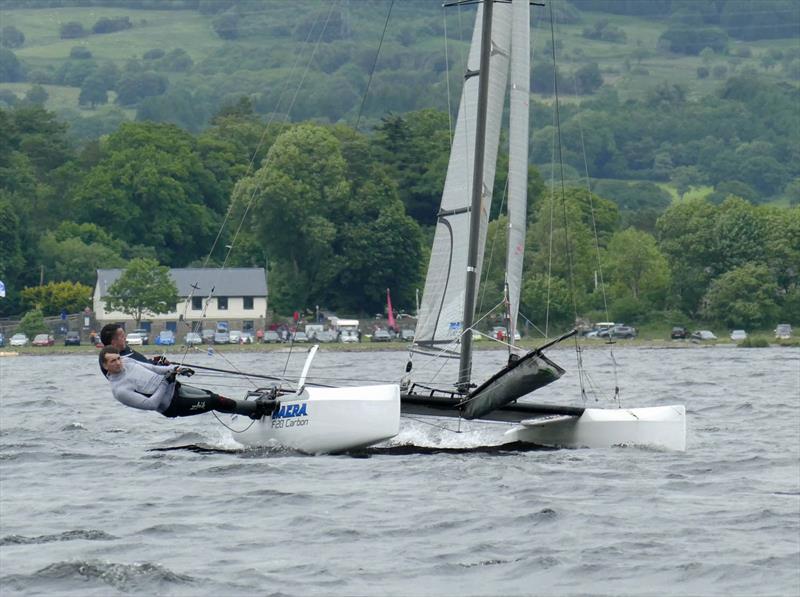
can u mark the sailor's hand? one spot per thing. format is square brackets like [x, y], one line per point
[185, 371]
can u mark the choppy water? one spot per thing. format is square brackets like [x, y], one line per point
[88, 507]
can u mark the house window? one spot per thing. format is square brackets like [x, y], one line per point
[222, 303]
[247, 326]
[197, 303]
[248, 303]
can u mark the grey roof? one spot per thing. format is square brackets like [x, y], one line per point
[232, 281]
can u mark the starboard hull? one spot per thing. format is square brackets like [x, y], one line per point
[659, 426]
[325, 420]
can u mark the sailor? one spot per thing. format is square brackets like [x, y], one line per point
[152, 387]
[113, 334]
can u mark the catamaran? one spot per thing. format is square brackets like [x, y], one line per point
[322, 419]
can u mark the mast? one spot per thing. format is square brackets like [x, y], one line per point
[465, 360]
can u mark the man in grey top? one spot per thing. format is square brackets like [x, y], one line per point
[153, 387]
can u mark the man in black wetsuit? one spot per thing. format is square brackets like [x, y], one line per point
[113, 334]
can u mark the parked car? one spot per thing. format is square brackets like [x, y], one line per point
[192, 339]
[18, 340]
[703, 335]
[737, 335]
[134, 339]
[43, 340]
[2, 340]
[783, 331]
[324, 336]
[165, 338]
[144, 334]
[271, 337]
[247, 338]
[348, 336]
[679, 333]
[381, 336]
[222, 338]
[72, 339]
[407, 335]
[208, 336]
[300, 337]
[619, 330]
[235, 336]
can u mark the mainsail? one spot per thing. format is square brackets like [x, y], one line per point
[442, 310]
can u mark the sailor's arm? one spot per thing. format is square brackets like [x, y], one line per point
[159, 400]
[160, 369]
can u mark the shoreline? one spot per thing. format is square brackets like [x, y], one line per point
[650, 344]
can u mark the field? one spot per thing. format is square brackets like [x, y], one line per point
[631, 67]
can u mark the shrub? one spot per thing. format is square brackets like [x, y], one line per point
[72, 30]
[153, 54]
[80, 53]
[106, 25]
[754, 342]
[33, 323]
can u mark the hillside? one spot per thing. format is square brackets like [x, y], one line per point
[312, 60]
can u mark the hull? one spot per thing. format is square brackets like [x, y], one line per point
[324, 420]
[659, 426]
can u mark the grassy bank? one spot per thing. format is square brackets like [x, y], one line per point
[590, 343]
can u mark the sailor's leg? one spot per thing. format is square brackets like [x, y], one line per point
[189, 401]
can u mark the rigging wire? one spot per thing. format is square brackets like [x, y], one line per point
[567, 243]
[374, 64]
[256, 186]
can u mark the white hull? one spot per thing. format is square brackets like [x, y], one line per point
[323, 420]
[659, 426]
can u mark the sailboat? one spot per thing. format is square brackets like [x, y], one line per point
[500, 51]
[323, 419]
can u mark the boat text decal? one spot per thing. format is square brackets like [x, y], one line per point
[290, 415]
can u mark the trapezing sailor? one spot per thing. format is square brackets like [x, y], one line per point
[153, 387]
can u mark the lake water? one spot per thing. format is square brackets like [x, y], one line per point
[91, 504]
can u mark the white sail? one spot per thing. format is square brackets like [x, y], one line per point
[518, 155]
[441, 311]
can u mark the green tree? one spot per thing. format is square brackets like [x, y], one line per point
[11, 69]
[134, 87]
[32, 323]
[72, 30]
[548, 303]
[54, 297]
[743, 297]
[151, 187]
[74, 259]
[295, 194]
[636, 267]
[11, 37]
[145, 287]
[685, 233]
[36, 95]
[93, 92]
[12, 259]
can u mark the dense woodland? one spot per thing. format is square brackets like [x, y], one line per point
[690, 211]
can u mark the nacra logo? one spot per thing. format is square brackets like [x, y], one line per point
[287, 411]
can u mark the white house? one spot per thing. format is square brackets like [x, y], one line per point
[234, 298]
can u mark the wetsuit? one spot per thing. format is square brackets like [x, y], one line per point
[151, 387]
